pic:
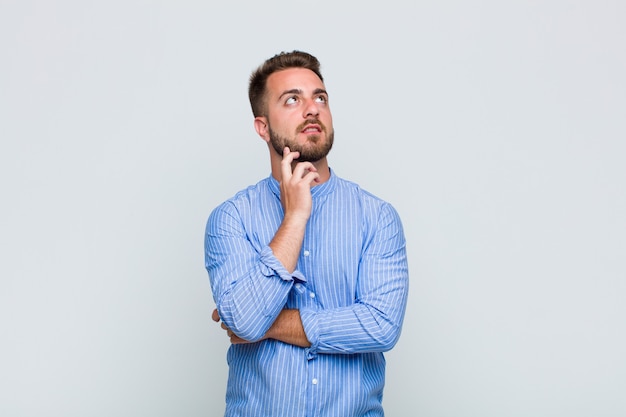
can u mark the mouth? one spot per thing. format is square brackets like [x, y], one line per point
[312, 129]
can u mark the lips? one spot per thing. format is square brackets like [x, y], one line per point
[312, 129]
[312, 126]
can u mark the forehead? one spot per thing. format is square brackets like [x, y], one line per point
[293, 79]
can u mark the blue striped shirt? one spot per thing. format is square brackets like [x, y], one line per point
[350, 286]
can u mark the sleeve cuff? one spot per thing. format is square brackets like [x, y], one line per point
[272, 266]
[311, 329]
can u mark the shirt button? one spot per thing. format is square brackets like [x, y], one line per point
[314, 381]
[312, 294]
[307, 253]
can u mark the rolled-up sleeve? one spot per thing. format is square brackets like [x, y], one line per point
[373, 322]
[249, 284]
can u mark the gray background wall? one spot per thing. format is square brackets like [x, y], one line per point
[497, 129]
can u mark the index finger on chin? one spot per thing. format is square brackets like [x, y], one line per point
[288, 158]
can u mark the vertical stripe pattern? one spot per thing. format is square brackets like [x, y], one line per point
[350, 286]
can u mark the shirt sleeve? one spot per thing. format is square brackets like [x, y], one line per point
[249, 284]
[374, 321]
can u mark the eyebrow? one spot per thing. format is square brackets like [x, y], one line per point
[298, 91]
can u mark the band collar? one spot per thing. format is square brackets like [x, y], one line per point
[316, 192]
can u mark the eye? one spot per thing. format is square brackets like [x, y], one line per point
[291, 100]
[321, 99]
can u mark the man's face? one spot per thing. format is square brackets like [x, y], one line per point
[298, 115]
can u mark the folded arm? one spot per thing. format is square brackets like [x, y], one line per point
[374, 321]
[251, 280]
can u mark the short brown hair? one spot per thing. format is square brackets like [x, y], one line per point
[281, 61]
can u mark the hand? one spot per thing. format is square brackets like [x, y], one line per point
[287, 328]
[234, 339]
[295, 197]
[295, 186]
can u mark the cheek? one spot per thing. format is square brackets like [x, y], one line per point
[328, 121]
[281, 121]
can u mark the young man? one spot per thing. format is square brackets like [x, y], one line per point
[308, 271]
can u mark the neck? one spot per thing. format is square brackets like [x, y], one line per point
[321, 166]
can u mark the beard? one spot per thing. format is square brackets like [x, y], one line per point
[311, 151]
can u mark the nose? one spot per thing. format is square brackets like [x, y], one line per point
[311, 109]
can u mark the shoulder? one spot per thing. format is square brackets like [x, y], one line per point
[241, 202]
[351, 188]
[372, 205]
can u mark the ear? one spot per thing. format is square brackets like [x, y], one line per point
[261, 127]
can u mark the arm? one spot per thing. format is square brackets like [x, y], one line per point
[295, 197]
[287, 328]
[373, 322]
[250, 284]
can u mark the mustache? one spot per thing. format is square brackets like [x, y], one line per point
[311, 122]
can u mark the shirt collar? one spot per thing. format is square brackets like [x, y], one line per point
[317, 191]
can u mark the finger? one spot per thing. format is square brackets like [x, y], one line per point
[288, 158]
[215, 316]
[223, 326]
[312, 177]
[306, 172]
[236, 340]
[303, 168]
